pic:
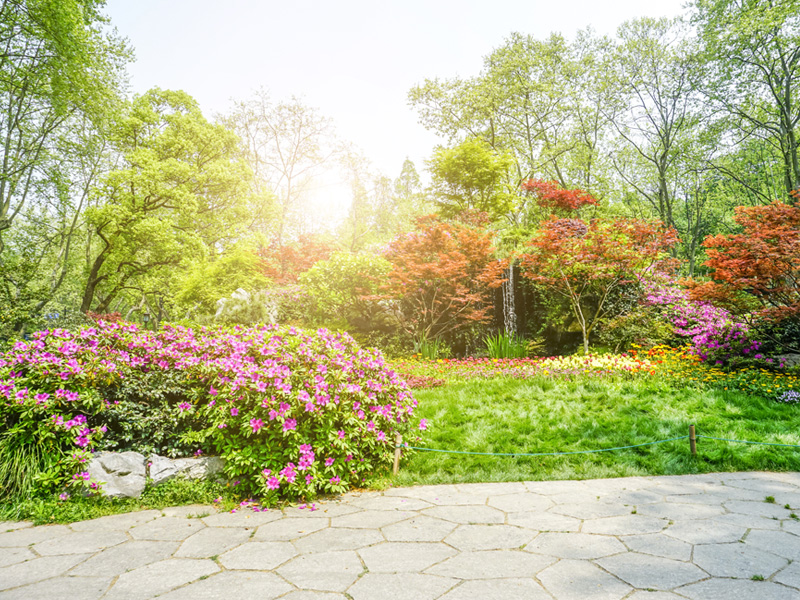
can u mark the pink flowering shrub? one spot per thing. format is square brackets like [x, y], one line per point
[715, 335]
[294, 413]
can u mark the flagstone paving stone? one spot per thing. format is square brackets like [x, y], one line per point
[651, 572]
[419, 529]
[325, 571]
[575, 545]
[498, 589]
[730, 589]
[12, 556]
[737, 560]
[212, 541]
[489, 537]
[338, 539]
[121, 522]
[27, 536]
[658, 544]
[167, 529]
[408, 586]
[160, 577]
[38, 569]
[125, 557]
[253, 585]
[579, 580]
[74, 588]
[80, 543]
[289, 528]
[394, 557]
[492, 564]
[700, 537]
[258, 556]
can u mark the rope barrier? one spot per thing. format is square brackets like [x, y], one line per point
[708, 437]
[692, 437]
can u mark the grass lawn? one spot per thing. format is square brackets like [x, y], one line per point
[550, 415]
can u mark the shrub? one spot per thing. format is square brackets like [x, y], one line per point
[293, 413]
[716, 336]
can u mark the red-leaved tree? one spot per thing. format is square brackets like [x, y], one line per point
[440, 278]
[585, 263]
[283, 263]
[763, 261]
[551, 196]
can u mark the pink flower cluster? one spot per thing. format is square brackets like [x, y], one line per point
[716, 336]
[270, 387]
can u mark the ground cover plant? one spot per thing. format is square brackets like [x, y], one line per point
[294, 413]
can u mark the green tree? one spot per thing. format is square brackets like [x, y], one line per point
[343, 287]
[472, 176]
[179, 193]
[56, 62]
[750, 51]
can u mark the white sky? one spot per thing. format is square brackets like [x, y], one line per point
[353, 60]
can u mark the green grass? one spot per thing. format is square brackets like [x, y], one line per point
[176, 492]
[547, 415]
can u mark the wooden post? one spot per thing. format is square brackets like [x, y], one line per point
[692, 440]
[398, 440]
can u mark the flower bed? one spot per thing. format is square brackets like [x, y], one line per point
[425, 374]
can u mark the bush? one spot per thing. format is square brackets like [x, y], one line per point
[716, 336]
[293, 413]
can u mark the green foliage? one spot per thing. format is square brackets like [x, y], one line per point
[175, 492]
[344, 286]
[432, 349]
[641, 325]
[473, 176]
[503, 345]
[179, 190]
[204, 282]
[552, 415]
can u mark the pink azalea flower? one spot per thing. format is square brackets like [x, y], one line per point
[289, 425]
[423, 424]
[256, 424]
[329, 461]
[234, 411]
[335, 480]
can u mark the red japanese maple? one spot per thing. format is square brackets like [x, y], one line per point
[440, 277]
[550, 195]
[585, 262]
[763, 261]
[284, 263]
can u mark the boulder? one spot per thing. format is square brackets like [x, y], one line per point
[163, 469]
[123, 474]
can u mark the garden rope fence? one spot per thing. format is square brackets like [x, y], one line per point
[692, 437]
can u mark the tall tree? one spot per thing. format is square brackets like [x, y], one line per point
[287, 144]
[751, 55]
[538, 101]
[56, 61]
[179, 191]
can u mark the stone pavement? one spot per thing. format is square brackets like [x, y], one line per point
[703, 537]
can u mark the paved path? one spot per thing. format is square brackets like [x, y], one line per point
[654, 538]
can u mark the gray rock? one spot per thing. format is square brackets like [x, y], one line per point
[123, 473]
[163, 469]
